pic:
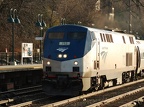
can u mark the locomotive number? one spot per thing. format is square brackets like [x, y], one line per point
[64, 43]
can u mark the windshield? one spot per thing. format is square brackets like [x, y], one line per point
[70, 35]
[56, 35]
[76, 35]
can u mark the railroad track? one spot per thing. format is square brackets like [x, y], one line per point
[137, 102]
[106, 98]
[115, 96]
[39, 101]
[15, 95]
[28, 100]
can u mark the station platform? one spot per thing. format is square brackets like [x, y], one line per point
[20, 76]
[24, 67]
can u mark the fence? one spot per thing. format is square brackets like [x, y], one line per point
[6, 58]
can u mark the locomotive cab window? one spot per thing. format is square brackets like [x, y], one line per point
[76, 35]
[56, 35]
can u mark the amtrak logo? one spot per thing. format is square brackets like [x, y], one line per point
[62, 49]
[104, 54]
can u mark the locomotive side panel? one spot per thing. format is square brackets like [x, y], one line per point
[140, 45]
[115, 57]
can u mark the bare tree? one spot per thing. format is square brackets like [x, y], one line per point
[74, 11]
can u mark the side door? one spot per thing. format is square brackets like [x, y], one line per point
[95, 41]
[97, 51]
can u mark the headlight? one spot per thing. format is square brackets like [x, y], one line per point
[59, 55]
[65, 55]
[48, 62]
[75, 63]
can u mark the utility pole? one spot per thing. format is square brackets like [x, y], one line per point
[130, 18]
[139, 12]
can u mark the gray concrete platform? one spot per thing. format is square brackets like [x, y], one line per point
[24, 67]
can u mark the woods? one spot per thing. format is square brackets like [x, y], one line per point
[122, 14]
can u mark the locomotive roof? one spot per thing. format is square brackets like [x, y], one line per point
[85, 28]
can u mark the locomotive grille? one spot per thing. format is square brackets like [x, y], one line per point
[75, 69]
[48, 69]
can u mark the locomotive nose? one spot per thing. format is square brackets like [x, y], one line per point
[62, 81]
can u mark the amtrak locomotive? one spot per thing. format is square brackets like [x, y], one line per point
[80, 59]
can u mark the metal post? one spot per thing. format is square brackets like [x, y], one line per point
[40, 51]
[41, 43]
[41, 24]
[13, 43]
[63, 21]
[6, 59]
[130, 18]
[13, 18]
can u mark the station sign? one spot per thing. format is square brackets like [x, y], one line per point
[38, 38]
[27, 51]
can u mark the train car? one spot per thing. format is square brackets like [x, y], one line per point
[80, 59]
[140, 57]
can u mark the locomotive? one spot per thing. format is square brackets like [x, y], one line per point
[80, 59]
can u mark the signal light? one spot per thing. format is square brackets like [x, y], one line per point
[48, 62]
[62, 55]
[65, 55]
[59, 55]
[75, 63]
[75, 56]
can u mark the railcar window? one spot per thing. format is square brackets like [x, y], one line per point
[123, 39]
[76, 35]
[129, 59]
[142, 56]
[101, 37]
[107, 36]
[131, 40]
[104, 37]
[56, 35]
[111, 38]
